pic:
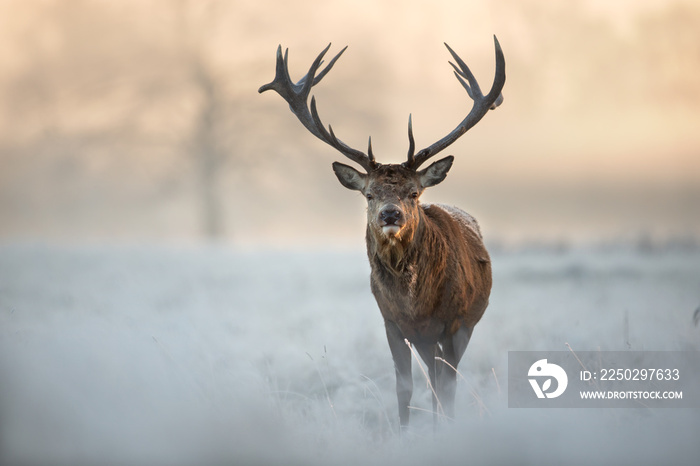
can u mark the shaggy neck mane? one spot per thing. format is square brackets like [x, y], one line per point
[398, 253]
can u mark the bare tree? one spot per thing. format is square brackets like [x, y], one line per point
[209, 155]
[205, 142]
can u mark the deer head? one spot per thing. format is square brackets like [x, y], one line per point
[392, 190]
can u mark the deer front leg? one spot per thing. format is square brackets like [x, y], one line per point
[453, 348]
[429, 353]
[402, 364]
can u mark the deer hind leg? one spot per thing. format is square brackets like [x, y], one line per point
[401, 354]
[453, 348]
[429, 353]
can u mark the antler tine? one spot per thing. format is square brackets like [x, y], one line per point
[309, 80]
[329, 66]
[297, 96]
[411, 142]
[281, 75]
[463, 71]
[330, 138]
[481, 106]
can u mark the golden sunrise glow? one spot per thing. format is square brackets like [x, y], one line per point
[108, 106]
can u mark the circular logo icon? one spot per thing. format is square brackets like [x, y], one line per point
[546, 372]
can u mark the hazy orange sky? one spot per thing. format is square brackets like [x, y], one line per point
[597, 138]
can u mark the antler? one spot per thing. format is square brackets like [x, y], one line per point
[297, 95]
[482, 104]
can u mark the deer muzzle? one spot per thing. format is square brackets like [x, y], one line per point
[391, 219]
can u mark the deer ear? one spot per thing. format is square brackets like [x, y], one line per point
[349, 177]
[436, 172]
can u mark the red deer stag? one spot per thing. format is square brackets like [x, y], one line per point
[431, 274]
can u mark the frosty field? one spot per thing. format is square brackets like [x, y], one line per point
[151, 355]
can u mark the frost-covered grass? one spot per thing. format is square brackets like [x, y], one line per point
[207, 355]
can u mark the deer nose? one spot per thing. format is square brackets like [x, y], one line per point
[391, 215]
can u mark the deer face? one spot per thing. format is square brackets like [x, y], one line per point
[392, 193]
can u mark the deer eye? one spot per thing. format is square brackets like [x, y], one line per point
[369, 196]
[414, 195]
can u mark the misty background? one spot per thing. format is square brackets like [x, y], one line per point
[140, 120]
[182, 277]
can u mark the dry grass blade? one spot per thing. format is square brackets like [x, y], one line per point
[472, 390]
[440, 412]
[498, 385]
[325, 387]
